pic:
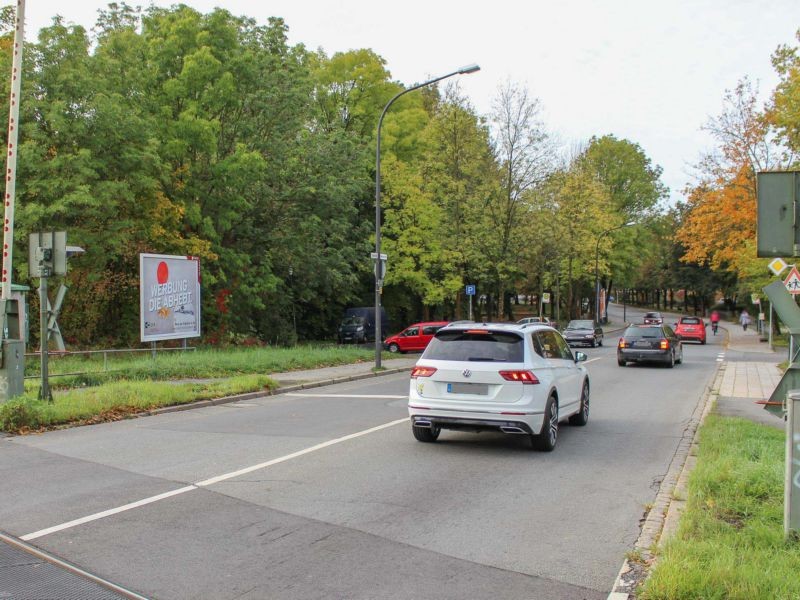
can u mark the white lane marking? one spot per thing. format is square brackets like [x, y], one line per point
[275, 461]
[389, 396]
[206, 482]
[593, 359]
[106, 513]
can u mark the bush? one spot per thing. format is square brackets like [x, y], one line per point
[20, 414]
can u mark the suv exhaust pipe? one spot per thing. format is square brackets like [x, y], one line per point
[516, 430]
[425, 423]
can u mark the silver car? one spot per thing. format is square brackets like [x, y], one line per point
[518, 379]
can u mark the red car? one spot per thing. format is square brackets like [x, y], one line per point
[691, 328]
[413, 338]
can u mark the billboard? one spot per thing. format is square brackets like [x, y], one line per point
[169, 297]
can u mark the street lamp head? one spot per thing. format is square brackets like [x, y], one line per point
[468, 69]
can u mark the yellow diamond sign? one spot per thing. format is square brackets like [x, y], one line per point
[777, 265]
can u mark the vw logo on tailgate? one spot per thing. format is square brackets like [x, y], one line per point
[466, 373]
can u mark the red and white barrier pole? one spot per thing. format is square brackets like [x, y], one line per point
[11, 156]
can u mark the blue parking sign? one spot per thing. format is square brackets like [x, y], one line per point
[470, 290]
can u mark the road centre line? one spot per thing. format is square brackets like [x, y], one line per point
[275, 461]
[384, 396]
[206, 482]
[105, 513]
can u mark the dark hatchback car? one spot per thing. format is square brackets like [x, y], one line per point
[649, 343]
[584, 332]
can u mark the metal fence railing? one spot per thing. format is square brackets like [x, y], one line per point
[105, 353]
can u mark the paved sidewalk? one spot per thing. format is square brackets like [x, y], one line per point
[743, 382]
[405, 361]
[746, 341]
[749, 373]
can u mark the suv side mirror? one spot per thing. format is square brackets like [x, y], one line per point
[580, 357]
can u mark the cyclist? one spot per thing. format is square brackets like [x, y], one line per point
[714, 321]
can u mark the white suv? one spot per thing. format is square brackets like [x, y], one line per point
[518, 379]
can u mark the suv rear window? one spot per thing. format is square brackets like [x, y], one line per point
[489, 346]
[691, 321]
[643, 332]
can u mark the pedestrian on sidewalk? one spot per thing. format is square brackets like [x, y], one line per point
[744, 319]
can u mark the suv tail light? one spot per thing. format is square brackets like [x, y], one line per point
[422, 372]
[664, 345]
[525, 377]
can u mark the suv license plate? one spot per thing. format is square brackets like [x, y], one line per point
[479, 389]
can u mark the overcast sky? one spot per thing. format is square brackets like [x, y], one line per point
[651, 72]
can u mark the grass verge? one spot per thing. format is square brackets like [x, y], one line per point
[124, 385]
[204, 363]
[116, 400]
[730, 543]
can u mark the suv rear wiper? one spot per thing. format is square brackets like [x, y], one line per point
[484, 359]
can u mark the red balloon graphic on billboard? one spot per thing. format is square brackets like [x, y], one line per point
[162, 273]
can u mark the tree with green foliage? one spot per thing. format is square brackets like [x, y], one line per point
[635, 189]
[524, 155]
[577, 209]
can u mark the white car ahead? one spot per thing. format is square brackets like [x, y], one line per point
[518, 379]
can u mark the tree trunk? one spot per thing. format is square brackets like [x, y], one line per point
[570, 291]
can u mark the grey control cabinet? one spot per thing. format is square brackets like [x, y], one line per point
[14, 335]
[12, 370]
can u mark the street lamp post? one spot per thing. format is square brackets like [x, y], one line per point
[596, 277]
[378, 270]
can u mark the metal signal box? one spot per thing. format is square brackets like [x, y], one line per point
[12, 371]
[778, 225]
[12, 356]
[47, 253]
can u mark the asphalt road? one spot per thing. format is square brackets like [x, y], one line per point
[277, 498]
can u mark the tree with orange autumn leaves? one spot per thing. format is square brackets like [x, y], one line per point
[719, 225]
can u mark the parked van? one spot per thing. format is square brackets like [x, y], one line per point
[358, 325]
[413, 338]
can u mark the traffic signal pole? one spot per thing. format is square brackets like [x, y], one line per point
[44, 316]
